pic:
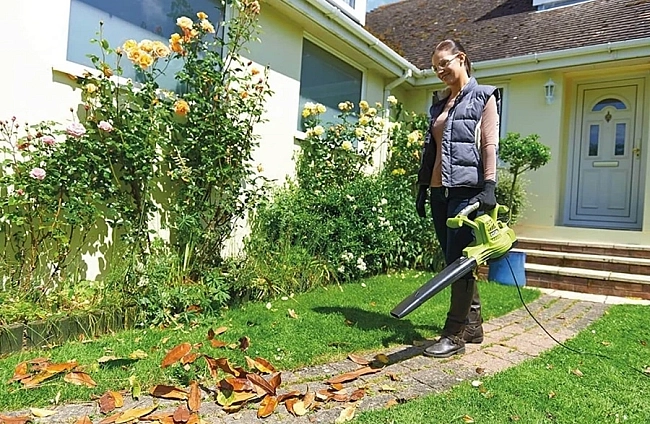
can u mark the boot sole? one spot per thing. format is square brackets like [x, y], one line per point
[459, 351]
[477, 340]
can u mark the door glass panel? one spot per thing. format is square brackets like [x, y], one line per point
[594, 131]
[609, 102]
[619, 147]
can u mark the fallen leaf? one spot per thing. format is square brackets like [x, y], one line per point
[9, 419]
[108, 358]
[309, 399]
[292, 313]
[37, 379]
[337, 386]
[551, 395]
[138, 354]
[61, 367]
[357, 395]
[296, 407]
[190, 358]
[194, 399]
[385, 388]
[480, 370]
[136, 389]
[353, 375]
[111, 419]
[162, 417]
[476, 383]
[237, 384]
[358, 359]
[194, 419]
[20, 372]
[224, 365]
[134, 413]
[228, 397]
[577, 372]
[107, 403]
[259, 381]
[175, 354]
[393, 376]
[220, 330]
[181, 414]
[467, 419]
[346, 415]
[261, 364]
[267, 406]
[168, 392]
[84, 420]
[218, 343]
[244, 343]
[287, 396]
[41, 413]
[79, 379]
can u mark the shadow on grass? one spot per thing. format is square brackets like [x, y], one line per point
[402, 332]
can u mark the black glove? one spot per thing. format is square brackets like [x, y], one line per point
[487, 199]
[421, 201]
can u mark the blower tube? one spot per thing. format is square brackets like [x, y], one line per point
[447, 276]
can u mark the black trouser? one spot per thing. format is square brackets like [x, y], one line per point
[447, 203]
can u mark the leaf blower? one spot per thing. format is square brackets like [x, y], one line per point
[492, 240]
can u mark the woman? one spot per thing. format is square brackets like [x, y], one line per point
[459, 168]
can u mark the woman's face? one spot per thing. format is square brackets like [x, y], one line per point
[448, 66]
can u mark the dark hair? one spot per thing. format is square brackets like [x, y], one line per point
[455, 47]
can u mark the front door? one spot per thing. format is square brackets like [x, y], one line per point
[606, 156]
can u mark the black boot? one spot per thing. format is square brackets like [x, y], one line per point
[445, 347]
[474, 330]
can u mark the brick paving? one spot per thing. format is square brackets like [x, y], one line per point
[509, 340]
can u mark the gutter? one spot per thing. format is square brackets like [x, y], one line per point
[388, 59]
[587, 55]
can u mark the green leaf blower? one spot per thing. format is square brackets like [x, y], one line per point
[492, 240]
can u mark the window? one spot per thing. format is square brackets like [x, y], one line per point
[328, 80]
[131, 19]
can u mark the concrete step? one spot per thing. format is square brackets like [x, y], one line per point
[591, 248]
[620, 264]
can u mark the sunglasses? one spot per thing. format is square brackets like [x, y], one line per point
[444, 63]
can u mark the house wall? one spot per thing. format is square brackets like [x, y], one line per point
[36, 85]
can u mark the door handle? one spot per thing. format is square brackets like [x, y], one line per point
[636, 151]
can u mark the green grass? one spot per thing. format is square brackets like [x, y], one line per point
[330, 324]
[547, 389]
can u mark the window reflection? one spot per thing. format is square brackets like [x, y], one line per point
[594, 133]
[609, 102]
[619, 147]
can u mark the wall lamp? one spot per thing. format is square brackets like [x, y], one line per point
[549, 91]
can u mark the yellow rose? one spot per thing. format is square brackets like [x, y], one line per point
[363, 105]
[90, 88]
[145, 60]
[129, 44]
[392, 100]
[358, 132]
[320, 108]
[134, 54]
[202, 15]
[175, 38]
[346, 145]
[364, 120]
[160, 49]
[184, 22]
[319, 130]
[306, 112]
[181, 107]
[146, 45]
[372, 111]
[176, 47]
[207, 26]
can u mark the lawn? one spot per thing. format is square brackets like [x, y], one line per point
[560, 386]
[291, 332]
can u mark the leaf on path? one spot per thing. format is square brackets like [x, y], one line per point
[259, 381]
[352, 375]
[79, 379]
[287, 396]
[176, 354]
[194, 398]
[41, 413]
[467, 419]
[168, 392]
[357, 395]
[227, 398]
[346, 415]
[134, 413]
[309, 399]
[136, 389]
[159, 416]
[109, 401]
[244, 343]
[267, 406]
[181, 414]
[261, 364]
[194, 419]
[84, 420]
[110, 419]
[382, 358]
[391, 402]
[19, 419]
[237, 384]
[359, 360]
[296, 407]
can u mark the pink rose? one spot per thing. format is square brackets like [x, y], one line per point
[105, 126]
[76, 129]
[37, 173]
[20, 192]
[48, 140]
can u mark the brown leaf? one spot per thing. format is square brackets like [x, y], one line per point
[352, 375]
[37, 379]
[110, 419]
[357, 394]
[20, 372]
[260, 364]
[237, 384]
[267, 406]
[391, 402]
[61, 367]
[190, 358]
[577, 372]
[160, 416]
[213, 366]
[309, 399]
[168, 392]
[296, 407]
[211, 334]
[175, 354]
[107, 402]
[10, 419]
[337, 386]
[220, 330]
[346, 415]
[225, 366]
[41, 413]
[79, 379]
[218, 343]
[292, 313]
[182, 414]
[480, 370]
[259, 381]
[244, 343]
[289, 395]
[194, 419]
[84, 420]
[358, 359]
[132, 414]
[275, 381]
[194, 399]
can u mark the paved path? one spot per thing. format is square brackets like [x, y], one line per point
[509, 340]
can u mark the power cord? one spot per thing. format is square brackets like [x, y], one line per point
[582, 352]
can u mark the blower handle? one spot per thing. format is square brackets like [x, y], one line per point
[461, 218]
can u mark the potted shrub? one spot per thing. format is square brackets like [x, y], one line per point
[520, 154]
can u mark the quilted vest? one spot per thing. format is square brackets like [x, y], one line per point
[462, 165]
